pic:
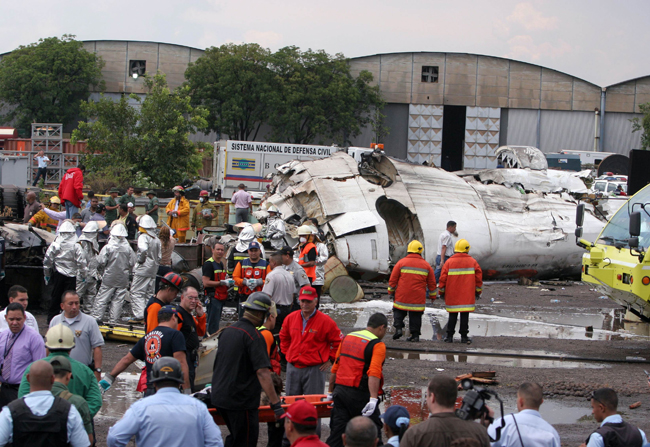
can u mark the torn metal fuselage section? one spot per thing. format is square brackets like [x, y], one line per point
[369, 217]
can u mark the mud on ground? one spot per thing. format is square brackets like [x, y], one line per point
[509, 318]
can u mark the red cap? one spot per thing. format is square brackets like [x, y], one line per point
[302, 412]
[308, 293]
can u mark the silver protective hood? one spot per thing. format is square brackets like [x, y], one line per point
[246, 236]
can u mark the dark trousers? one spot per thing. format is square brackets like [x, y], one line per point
[215, 309]
[42, 172]
[348, 403]
[60, 283]
[415, 320]
[243, 425]
[464, 324]
[283, 312]
[275, 432]
[8, 393]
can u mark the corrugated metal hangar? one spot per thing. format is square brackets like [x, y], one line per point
[450, 109]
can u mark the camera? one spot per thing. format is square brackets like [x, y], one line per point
[473, 405]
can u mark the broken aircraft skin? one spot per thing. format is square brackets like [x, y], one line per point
[371, 211]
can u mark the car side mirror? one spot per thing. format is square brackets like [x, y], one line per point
[635, 224]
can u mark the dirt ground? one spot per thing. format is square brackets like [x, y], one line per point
[519, 311]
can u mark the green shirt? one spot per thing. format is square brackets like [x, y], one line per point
[125, 199]
[149, 206]
[79, 402]
[83, 383]
[111, 215]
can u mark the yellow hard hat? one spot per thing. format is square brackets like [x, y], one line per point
[462, 246]
[59, 337]
[415, 247]
[55, 199]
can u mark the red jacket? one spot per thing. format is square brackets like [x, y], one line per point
[409, 281]
[461, 280]
[316, 345]
[71, 187]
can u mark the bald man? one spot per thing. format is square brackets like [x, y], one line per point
[39, 411]
[32, 207]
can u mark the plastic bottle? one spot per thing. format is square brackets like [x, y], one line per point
[555, 301]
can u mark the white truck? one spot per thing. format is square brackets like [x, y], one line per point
[251, 162]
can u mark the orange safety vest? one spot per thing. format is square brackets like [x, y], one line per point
[272, 349]
[310, 271]
[220, 292]
[461, 280]
[354, 360]
[249, 271]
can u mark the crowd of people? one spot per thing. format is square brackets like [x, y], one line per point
[52, 386]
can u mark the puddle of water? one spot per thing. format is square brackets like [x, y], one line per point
[120, 396]
[496, 361]
[553, 412]
[485, 325]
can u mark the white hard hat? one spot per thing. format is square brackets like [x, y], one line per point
[273, 209]
[91, 227]
[119, 230]
[67, 227]
[130, 205]
[59, 337]
[146, 222]
[304, 230]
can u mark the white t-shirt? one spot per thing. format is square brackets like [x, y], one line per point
[447, 240]
[30, 321]
[42, 161]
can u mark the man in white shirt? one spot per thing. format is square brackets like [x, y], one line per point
[18, 294]
[445, 247]
[526, 427]
[279, 285]
[43, 161]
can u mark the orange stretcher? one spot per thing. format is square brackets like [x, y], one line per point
[323, 408]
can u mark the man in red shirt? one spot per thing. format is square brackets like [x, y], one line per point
[71, 190]
[309, 339]
[300, 423]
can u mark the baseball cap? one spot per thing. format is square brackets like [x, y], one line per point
[395, 416]
[100, 207]
[168, 309]
[60, 363]
[254, 244]
[286, 250]
[308, 293]
[302, 412]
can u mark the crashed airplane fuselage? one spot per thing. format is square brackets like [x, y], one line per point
[371, 211]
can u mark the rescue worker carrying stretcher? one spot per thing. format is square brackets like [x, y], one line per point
[356, 379]
[461, 282]
[409, 281]
[249, 274]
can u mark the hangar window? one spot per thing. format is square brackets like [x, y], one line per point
[429, 74]
[137, 68]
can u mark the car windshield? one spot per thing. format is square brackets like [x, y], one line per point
[617, 230]
[611, 187]
[599, 186]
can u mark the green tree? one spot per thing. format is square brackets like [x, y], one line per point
[234, 83]
[643, 124]
[148, 139]
[316, 97]
[46, 81]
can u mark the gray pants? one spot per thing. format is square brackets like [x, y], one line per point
[114, 296]
[142, 288]
[241, 215]
[87, 291]
[310, 380]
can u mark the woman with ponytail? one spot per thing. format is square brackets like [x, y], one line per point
[396, 421]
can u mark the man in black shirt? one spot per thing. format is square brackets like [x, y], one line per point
[129, 221]
[162, 341]
[191, 328]
[242, 369]
[215, 285]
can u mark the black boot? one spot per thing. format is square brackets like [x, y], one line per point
[465, 339]
[413, 338]
[448, 339]
[398, 334]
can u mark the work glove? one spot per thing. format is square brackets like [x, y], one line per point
[277, 409]
[251, 283]
[227, 282]
[329, 397]
[259, 282]
[47, 280]
[106, 382]
[370, 407]
[29, 226]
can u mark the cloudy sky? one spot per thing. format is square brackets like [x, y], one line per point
[604, 42]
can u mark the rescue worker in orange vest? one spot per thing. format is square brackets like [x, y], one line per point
[249, 274]
[356, 378]
[271, 344]
[308, 252]
[461, 282]
[409, 281]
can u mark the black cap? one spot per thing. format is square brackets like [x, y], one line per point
[286, 250]
[100, 207]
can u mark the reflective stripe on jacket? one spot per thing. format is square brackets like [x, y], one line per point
[182, 222]
[409, 281]
[461, 280]
[246, 270]
[220, 292]
[310, 271]
[354, 359]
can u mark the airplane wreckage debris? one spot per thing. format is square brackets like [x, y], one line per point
[519, 221]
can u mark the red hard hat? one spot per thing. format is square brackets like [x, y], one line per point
[173, 279]
[178, 188]
[204, 193]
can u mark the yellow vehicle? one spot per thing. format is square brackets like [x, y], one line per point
[616, 263]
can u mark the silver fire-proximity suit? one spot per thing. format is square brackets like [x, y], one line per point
[148, 259]
[115, 262]
[87, 283]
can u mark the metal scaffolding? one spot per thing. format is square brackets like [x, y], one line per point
[48, 137]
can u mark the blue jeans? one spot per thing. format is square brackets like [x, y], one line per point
[438, 268]
[70, 209]
[215, 307]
